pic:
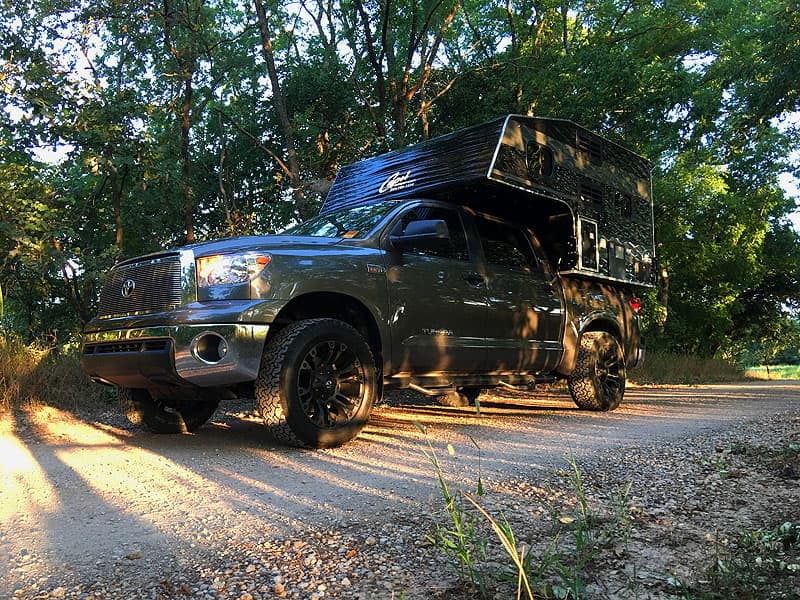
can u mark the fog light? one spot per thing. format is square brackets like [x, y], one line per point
[209, 347]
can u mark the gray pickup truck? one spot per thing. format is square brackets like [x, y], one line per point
[510, 253]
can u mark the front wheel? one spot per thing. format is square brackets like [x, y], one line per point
[317, 383]
[165, 416]
[598, 381]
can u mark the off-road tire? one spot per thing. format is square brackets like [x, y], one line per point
[460, 398]
[598, 381]
[317, 384]
[163, 416]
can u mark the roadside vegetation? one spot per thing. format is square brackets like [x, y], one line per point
[664, 368]
[774, 372]
[589, 539]
[32, 374]
[754, 565]
[555, 568]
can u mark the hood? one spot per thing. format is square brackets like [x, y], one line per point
[262, 243]
[259, 242]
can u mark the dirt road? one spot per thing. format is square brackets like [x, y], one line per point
[92, 508]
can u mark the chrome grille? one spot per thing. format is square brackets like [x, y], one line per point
[156, 287]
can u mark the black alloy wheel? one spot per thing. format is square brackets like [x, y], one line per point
[330, 383]
[317, 384]
[598, 381]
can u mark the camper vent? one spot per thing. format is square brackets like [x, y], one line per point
[590, 192]
[627, 206]
[590, 147]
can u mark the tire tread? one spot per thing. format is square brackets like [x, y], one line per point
[581, 383]
[269, 397]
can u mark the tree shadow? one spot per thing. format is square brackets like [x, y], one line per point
[83, 491]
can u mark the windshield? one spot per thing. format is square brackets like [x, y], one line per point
[346, 222]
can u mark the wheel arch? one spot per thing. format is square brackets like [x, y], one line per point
[596, 322]
[602, 323]
[333, 305]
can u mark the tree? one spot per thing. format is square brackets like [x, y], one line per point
[133, 125]
[395, 47]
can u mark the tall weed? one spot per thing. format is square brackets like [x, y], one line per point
[32, 374]
[578, 539]
[459, 539]
[666, 368]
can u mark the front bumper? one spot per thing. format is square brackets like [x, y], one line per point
[207, 355]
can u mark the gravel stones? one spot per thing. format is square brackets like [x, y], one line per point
[688, 494]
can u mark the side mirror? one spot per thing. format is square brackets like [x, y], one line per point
[421, 234]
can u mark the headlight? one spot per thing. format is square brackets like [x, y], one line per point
[229, 269]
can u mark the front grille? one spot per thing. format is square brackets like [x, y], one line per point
[148, 286]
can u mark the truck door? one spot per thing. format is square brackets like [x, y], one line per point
[437, 299]
[525, 313]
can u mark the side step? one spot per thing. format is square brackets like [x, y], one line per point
[526, 387]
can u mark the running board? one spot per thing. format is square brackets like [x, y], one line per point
[446, 387]
[430, 392]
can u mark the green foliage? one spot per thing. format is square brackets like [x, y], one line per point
[759, 564]
[131, 126]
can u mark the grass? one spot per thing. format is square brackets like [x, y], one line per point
[774, 372]
[32, 374]
[662, 368]
[459, 539]
[582, 534]
[756, 565]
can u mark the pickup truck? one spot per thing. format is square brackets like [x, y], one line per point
[463, 263]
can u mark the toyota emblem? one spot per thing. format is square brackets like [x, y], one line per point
[128, 287]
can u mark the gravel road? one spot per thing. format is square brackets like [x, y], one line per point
[91, 508]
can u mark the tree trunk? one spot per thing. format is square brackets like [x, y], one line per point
[304, 208]
[71, 281]
[186, 171]
[186, 63]
[663, 301]
[117, 190]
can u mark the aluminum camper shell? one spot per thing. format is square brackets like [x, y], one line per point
[588, 199]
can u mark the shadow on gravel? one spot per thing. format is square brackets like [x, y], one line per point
[100, 499]
[65, 506]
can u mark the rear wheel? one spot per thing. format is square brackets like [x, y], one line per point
[598, 381]
[317, 383]
[165, 416]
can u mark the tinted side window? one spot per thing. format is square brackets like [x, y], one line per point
[505, 246]
[455, 247]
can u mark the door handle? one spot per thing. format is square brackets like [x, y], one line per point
[474, 279]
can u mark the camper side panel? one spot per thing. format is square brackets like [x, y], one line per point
[429, 169]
